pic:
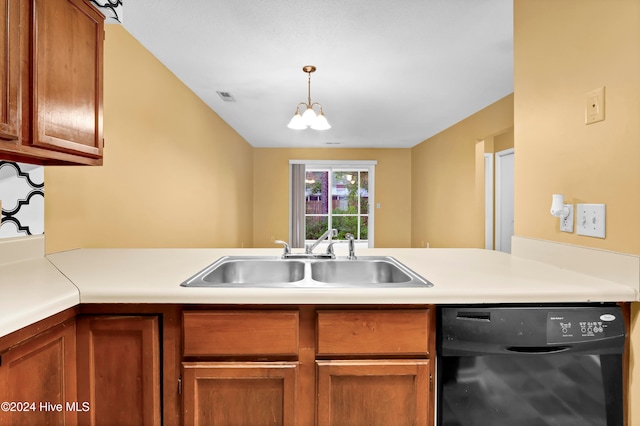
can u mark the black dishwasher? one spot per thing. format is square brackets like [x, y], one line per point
[532, 365]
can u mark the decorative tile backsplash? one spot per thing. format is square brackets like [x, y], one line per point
[112, 10]
[22, 197]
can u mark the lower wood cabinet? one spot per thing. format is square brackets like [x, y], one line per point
[222, 366]
[373, 367]
[38, 379]
[119, 370]
[262, 389]
[239, 393]
[373, 392]
[344, 366]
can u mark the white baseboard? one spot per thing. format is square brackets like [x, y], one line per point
[613, 266]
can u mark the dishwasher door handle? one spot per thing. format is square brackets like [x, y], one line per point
[526, 350]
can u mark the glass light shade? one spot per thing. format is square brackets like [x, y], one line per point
[309, 116]
[320, 123]
[297, 122]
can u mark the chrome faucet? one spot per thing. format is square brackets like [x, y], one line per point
[352, 246]
[287, 248]
[308, 248]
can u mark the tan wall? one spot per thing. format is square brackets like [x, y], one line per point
[447, 188]
[174, 173]
[562, 51]
[392, 191]
[504, 141]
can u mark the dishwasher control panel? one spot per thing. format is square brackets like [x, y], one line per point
[580, 325]
[530, 329]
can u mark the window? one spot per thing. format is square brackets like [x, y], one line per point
[336, 195]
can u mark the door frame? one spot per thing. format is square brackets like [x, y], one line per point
[498, 196]
[488, 201]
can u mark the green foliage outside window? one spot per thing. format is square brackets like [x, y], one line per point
[345, 214]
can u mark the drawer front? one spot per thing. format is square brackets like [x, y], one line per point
[398, 332]
[240, 333]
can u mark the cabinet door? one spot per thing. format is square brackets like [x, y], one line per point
[39, 379]
[373, 393]
[67, 37]
[119, 358]
[239, 393]
[9, 69]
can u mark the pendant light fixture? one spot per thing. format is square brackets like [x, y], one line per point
[309, 118]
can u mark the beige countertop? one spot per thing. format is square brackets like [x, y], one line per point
[458, 275]
[37, 287]
[31, 288]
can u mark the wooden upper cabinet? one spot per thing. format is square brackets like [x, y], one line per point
[67, 76]
[51, 88]
[9, 70]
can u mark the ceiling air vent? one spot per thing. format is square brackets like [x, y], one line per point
[226, 96]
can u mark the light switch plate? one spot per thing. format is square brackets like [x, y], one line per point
[591, 220]
[594, 106]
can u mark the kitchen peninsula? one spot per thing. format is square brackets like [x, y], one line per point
[96, 293]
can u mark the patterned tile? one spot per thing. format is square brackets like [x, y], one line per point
[22, 195]
[112, 9]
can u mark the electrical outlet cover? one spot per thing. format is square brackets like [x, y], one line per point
[591, 220]
[566, 223]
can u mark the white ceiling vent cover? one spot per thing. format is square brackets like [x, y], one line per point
[226, 96]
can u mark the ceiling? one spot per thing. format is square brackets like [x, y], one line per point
[389, 74]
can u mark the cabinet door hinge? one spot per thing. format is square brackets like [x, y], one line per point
[431, 382]
[180, 385]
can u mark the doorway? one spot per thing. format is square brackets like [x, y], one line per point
[504, 199]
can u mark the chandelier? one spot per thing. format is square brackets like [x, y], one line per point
[309, 118]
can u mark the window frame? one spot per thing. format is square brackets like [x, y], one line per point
[338, 165]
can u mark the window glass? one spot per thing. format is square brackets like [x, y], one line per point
[364, 192]
[315, 226]
[317, 192]
[347, 192]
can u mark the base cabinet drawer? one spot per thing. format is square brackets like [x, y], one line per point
[240, 333]
[239, 393]
[373, 332]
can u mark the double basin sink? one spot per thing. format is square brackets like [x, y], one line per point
[263, 271]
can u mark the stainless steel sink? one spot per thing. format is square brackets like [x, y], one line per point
[359, 272]
[368, 271]
[234, 271]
